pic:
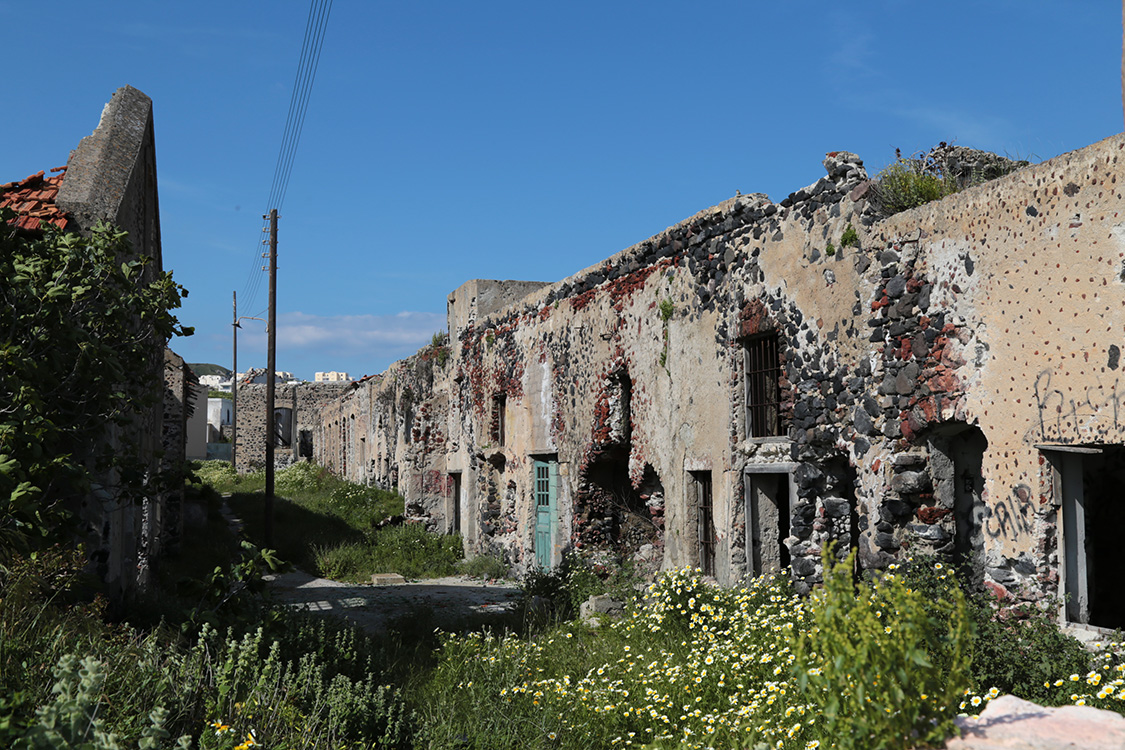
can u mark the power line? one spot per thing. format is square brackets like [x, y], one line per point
[315, 27]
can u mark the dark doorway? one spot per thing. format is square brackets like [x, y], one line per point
[768, 511]
[1093, 505]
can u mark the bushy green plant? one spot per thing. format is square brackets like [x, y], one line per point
[487, 567]
[849, 238]
[79, 327]
[1024, 654]
[886, 664]
[408, 550]
[1020, 651]
[907, 183]
[1103, 686]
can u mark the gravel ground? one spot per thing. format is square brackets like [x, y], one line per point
[450, 603]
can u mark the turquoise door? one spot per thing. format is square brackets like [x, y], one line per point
[546, 511]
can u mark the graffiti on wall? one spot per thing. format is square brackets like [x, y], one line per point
[1013, 516]
[1061, 412]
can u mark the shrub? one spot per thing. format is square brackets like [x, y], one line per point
[886, 664]
[79, 324]
[408, 550]
[487, 567]
[849, 238]
[907, 183]
[1022, 652]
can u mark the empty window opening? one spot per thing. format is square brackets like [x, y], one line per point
[700, 487]
[768, 512]
[454, 486]
[499, 402]
[305, 444]
[1093, 505]
[283, 427]
[763, 386]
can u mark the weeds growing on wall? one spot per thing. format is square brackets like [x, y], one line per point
[908, 183]
[915, 180]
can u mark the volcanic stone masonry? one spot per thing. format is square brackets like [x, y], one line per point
[765, 378]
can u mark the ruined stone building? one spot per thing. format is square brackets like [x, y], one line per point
[296, 416]
[111, 176]
[764, 378]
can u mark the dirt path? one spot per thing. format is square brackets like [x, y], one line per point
[450, 603]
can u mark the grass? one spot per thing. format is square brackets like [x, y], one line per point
[883, 664]
[408, 550]
[321, 524]
[689, 665]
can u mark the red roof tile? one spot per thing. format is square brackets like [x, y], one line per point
[33, 200]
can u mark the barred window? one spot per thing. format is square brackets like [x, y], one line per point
[763, 386]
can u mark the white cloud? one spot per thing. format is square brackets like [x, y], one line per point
[371, 336]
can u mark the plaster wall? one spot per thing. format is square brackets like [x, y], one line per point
[929, 374]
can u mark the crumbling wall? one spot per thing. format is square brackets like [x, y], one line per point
[300, 405]
[927, 372]
[390, 431]
[111, 176]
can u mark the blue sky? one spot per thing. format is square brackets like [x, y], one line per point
[511, 140]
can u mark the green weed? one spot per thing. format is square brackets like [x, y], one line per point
[885, 665]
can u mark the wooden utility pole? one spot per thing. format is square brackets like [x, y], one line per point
[233, 385]
[271, 368]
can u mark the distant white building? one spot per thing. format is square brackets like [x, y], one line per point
[331, 377]
[220, 414]
[215, 383]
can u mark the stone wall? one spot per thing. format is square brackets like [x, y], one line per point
[943, 381]
[163, 523]
[298, 408]
[390, 431]
[111, 176]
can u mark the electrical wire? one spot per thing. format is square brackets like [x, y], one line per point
[315, 27]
